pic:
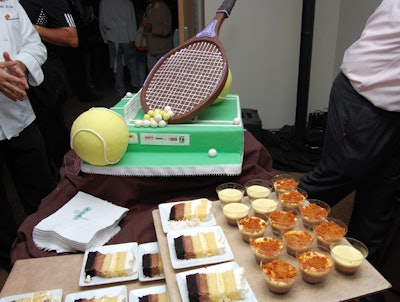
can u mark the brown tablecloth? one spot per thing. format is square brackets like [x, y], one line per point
[140, 194]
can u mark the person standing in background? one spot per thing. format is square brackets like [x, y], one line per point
[74, 58]
[117, 22]
[54, 23]
[362, 139]
[158, 24]
[22, 146]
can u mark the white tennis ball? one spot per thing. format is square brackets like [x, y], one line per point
[212, 153]
[99, 136]
[226, 88]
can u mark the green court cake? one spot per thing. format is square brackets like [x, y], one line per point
[210, 144]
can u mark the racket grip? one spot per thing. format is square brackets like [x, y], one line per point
[226, 7]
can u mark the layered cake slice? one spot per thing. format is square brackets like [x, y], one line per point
[111, 265]
[219, 286]
[40, 296]
[199, 209]
[199, 245]
[102, 299]
[152, 265]
[162, 297]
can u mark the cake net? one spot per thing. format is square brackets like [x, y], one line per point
[186, 78]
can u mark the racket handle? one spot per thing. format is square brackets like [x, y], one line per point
[226, 7]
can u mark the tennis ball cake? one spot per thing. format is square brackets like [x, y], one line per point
[99, 136]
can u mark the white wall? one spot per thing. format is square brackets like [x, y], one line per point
[262, 41]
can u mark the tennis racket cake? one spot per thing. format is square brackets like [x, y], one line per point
[187, 134]
[191, 76]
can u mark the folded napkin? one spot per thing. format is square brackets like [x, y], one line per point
[83, 222]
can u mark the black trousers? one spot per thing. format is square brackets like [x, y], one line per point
[48, 100]
[362, 154]
[26, 160]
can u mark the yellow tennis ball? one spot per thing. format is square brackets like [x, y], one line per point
[226, 88]
[99, 136]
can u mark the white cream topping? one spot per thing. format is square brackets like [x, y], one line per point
[264, 205]
[347, 255]
[230, 195]
[196, 203]
[220, 243]
[220, 283]
[257, 191]
[130, 263]
[240, 280]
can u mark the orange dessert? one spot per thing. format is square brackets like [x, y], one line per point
[297, 241]
[330, 231]
[251, 227]
[279, 275]
[284, 183]
[266, 248]
[314, 266]
[282, 220]
[292, 199]
[314, 213]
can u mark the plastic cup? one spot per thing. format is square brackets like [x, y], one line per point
[266, 248]
[330, 231]
[230, 192]
[348, 255]
[251, 227]
[234, 211]
[314, 264]
[258, 188]
[314, 211]
[279, 275]
[292, 199]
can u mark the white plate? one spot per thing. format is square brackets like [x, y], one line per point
[57, 293]
[183, 263]
[134, 295]
[147, 248]
[181, 280]
[106, 291]
[168, 225]
[107, 249]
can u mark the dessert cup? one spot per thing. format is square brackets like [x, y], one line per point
[234, 211]
[263, 206]
[266, 248]
[292, 199]
[230, 192]
[314, 211]
[329, 231]
[284, 183]
[348, 255]
[279, 275]
[314, 264]
[297, 241]
[282, 221]
[258, 188]
[251, 227]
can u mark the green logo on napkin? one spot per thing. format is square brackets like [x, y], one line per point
[79, 214]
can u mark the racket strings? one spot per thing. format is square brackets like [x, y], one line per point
[186, 78]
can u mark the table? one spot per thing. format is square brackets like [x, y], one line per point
[35, 274]
[336, 287]
[30, 275]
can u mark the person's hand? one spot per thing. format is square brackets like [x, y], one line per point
[13, 83]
